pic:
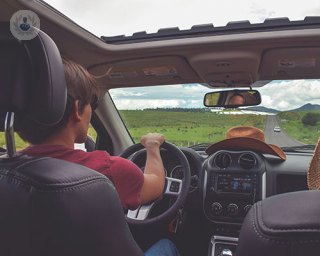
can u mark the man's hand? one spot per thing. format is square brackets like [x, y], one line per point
[152, 139]
[154, 176]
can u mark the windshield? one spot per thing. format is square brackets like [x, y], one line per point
[289, 114]
[125, 17]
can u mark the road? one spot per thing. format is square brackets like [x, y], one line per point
[281, 139]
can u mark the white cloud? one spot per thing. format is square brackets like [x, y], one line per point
[196, 103]
[173, 96]
[141, 104]
[280, 95]
[178, 91]
[124, 93]
[287, 95]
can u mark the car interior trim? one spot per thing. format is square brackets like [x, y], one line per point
[264, 186]
[141, 213]
[169, 183]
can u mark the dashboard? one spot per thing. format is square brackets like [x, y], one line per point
[226, 184]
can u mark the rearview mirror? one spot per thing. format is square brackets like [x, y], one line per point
[232, 99]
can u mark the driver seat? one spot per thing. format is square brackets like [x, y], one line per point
[49, 206]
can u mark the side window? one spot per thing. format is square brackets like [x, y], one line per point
[20, 144]
[2, 140]
[92, 132]
[89, 145]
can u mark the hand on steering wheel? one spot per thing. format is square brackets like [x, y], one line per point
[173, 188]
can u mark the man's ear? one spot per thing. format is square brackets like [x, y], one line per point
[75, 112]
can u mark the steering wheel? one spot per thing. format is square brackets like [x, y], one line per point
[173, 188]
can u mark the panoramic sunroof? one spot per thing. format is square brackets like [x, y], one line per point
[126, 17]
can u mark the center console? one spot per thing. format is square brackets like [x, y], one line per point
[234, 181]
[223, 246]
[230, 195]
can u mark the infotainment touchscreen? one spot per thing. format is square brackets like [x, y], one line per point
[234, 183]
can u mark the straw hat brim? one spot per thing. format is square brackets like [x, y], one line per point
[314, 169]
[245, 143]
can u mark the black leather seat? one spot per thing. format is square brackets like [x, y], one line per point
[282, 225]
[49, 206]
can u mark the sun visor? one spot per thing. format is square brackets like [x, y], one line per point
[158, 70]
[291, 63]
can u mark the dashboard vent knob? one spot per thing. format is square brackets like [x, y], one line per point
[222, 160]
[247, 161]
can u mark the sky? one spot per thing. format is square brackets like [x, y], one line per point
[280, 95]
[125, 17]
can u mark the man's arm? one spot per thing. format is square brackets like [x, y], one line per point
[154, 175]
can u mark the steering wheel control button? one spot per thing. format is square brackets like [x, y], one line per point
[211, 184]
[232, 209]
[247, 208]
[211, 191]
[174, 187]
[216, 208]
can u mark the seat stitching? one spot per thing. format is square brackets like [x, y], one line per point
[273, 229]
[76, 187]
[275, 241]
[126, 223]
[38, 159]
[58, 190]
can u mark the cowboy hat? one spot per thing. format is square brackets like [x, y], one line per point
[314, 169]
[246, 138]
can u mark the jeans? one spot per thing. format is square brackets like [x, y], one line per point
[164, 247]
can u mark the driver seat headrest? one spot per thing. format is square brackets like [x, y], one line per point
[32, 80]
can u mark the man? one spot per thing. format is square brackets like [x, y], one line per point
[236, 99]
[133, 186]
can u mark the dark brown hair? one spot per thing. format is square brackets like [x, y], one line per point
[80, 86]
[247, 97]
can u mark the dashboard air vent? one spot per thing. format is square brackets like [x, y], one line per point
[247, 161]
[222, 160]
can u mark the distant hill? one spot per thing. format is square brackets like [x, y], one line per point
[307, 107]
[263, 109]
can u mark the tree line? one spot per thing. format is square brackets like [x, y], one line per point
[194, 110]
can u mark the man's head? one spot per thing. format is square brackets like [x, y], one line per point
[237, 99]
[82, 91]
[242, 98]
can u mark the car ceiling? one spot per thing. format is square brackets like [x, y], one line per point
[240, 57]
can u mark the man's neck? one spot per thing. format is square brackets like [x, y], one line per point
[63, 138]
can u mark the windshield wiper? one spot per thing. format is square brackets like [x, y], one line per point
[201, 146]
[297, 148]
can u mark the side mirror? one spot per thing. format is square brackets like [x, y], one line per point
[232, 98]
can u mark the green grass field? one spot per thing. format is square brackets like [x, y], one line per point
[186, 128]
[295, 128]
[20, 144]
[189, 128]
